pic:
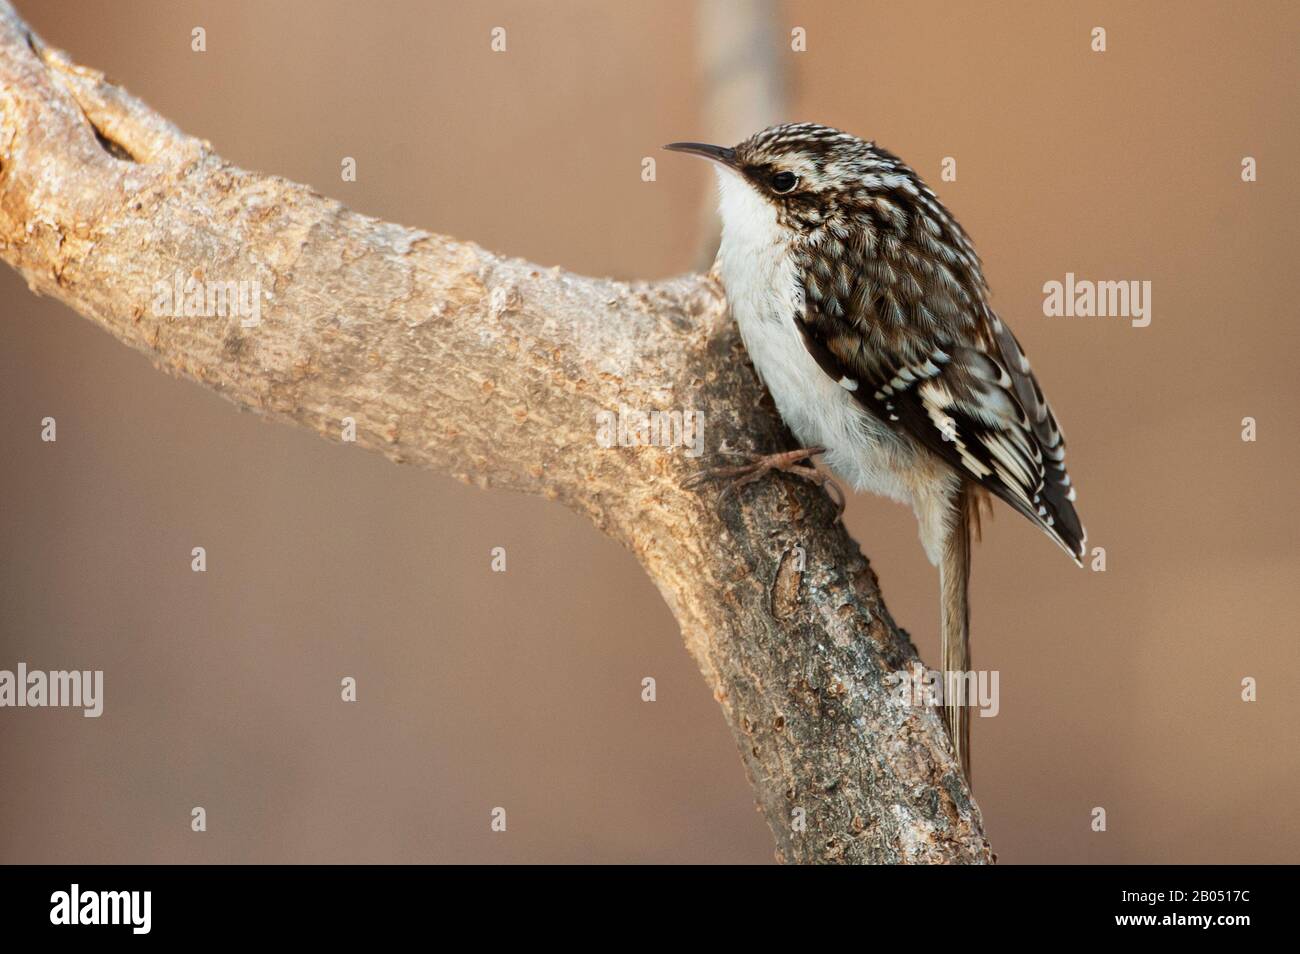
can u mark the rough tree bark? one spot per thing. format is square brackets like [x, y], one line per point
[493, 370]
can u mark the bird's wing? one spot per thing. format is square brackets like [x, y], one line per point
[899, 317]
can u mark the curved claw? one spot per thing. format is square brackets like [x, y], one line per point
[837, 496]
[713, 473]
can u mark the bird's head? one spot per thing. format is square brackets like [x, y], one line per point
[806, 173]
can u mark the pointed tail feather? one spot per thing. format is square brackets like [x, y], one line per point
[954, 625]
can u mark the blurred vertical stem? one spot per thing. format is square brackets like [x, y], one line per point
[743, 57]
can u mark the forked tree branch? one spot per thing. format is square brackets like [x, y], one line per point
[494, 370]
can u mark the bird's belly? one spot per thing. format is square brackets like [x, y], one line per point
[860, 448]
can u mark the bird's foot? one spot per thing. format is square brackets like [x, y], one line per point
[758, 466]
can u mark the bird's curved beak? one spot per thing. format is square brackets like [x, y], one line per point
[719, 154]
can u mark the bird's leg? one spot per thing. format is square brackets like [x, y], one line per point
[760, 465]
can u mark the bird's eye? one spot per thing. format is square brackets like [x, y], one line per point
[784, 182]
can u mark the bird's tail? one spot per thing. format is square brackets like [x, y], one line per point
[954, 624]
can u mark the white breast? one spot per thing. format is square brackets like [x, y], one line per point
[765, 297]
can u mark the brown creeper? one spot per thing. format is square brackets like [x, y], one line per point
[864, 309]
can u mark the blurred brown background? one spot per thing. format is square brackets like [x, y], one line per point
[1118, 689]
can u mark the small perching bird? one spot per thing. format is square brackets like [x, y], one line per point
[864, 309]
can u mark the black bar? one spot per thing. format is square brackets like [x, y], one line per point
[1226, 904]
